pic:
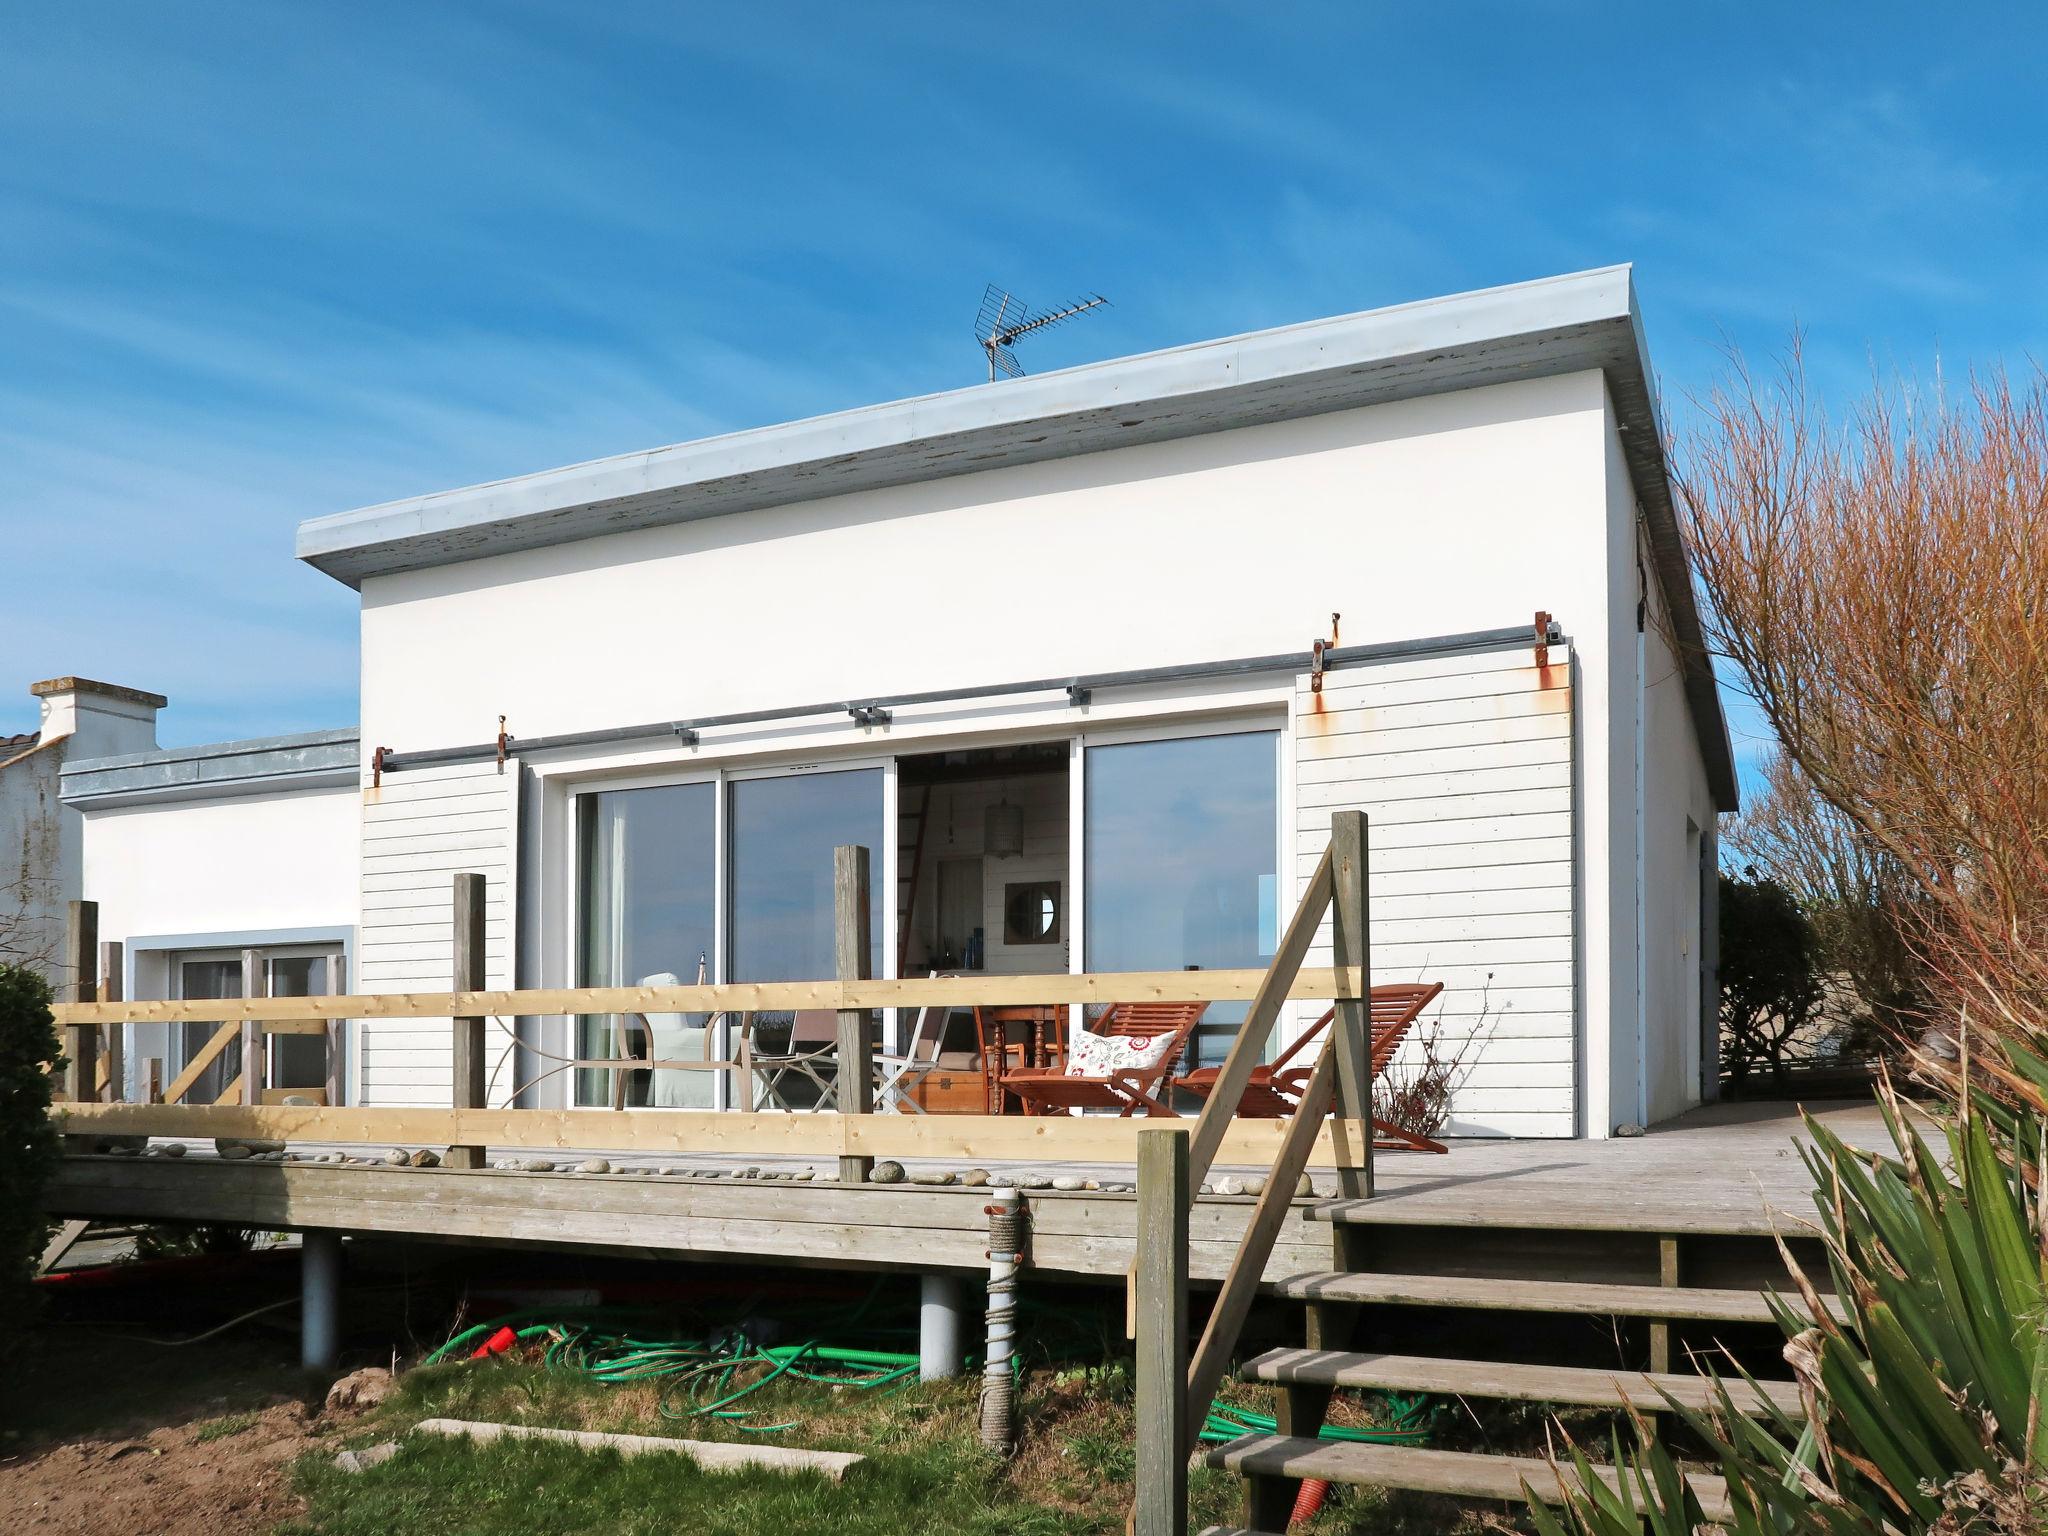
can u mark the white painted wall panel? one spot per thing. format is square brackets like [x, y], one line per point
[418, 831]
[1471, 862]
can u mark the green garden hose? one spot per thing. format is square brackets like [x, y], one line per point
[699, 1374]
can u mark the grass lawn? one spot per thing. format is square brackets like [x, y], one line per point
[925, 1472]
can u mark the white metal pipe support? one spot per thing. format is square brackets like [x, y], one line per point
[938, 1327]
[319, 1300]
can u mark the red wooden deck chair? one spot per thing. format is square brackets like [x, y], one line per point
[1276, 1086]
[1162, 1029]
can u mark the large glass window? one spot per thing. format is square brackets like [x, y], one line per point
[650, 891]
[210, 979]
[1181, 845]
[783, 831]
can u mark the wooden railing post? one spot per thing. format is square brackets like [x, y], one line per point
[117, 1034]
[852, 925]
[336, 1084]
[1351, 945]
[254, 984]
[81, 1045]
[468, 1064]
[1165, 1409]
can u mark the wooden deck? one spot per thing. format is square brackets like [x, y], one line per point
[1721, 1172]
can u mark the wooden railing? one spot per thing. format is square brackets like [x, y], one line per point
[855, 1135]
[1175, 1391]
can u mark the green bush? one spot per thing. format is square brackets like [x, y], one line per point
[1770, 979]
[28, 1141]
[1926, 1400]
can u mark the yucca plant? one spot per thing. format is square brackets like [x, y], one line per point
[1922, 1392]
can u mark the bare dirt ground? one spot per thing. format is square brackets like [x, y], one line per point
[168, 1479]
[112, 1437]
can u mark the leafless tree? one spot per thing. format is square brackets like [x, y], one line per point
[25, 940]
[1857, 896]
[1881, 583]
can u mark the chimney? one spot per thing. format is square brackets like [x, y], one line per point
[102, 719]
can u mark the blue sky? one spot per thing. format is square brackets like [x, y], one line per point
[263, 262]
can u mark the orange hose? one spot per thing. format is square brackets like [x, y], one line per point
[1309, 1501]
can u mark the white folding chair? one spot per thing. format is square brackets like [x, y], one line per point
[897, 1076]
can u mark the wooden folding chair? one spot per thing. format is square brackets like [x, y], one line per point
[1275, 1087]
[1050, 1090]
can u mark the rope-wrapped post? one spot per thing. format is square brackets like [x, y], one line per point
[999, 1373]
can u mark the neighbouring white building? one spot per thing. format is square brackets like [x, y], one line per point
[1088, 659]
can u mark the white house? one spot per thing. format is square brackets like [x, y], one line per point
[1088, 659]
[40, 840]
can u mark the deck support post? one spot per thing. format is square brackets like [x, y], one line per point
[938, 1327]
[115, 1040]
[854, 1086]
[81, 1049]
[1161, 1307]
[1351, 944]
[469, 1031]
[255, 983]
[1660, 1331]
[319, 1299]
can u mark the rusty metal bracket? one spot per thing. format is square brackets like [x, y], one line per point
[1543, 632]
[377, 767]
[503, 741]
[1316, 665]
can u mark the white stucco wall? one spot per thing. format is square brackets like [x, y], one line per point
[1424, 517]
[280, 860]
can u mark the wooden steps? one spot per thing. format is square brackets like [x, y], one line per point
[1577, 1386]
[1462, 1474]
[1585, 1298]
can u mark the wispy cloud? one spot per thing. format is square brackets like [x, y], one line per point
[258, 265]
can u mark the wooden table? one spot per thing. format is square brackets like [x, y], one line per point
[1034, 1033]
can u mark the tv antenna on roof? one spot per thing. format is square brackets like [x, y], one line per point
[1004, 318]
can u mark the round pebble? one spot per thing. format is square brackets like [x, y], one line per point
[975, 1178]
[398, 1157]
[888, 1171]
[174, 1149]
[594, 1165]
[1305, 1188]
[1069, 1181]
[806, 1176]
[931, 1178]
[1255, 1185]
[1034, 1181]
[535, 1165]
[233, 1154]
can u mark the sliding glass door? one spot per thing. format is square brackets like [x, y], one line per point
[1180, 852]
[783, 831]
[652, 874]
[650, 894]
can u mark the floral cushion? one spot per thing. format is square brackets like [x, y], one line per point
[1093, 1055]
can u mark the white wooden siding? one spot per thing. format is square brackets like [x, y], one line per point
[421, 829]
[1464, 766]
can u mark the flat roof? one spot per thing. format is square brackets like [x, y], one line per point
[306, 760]
[1539, 329]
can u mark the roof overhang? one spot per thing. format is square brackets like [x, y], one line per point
[1540, 329]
